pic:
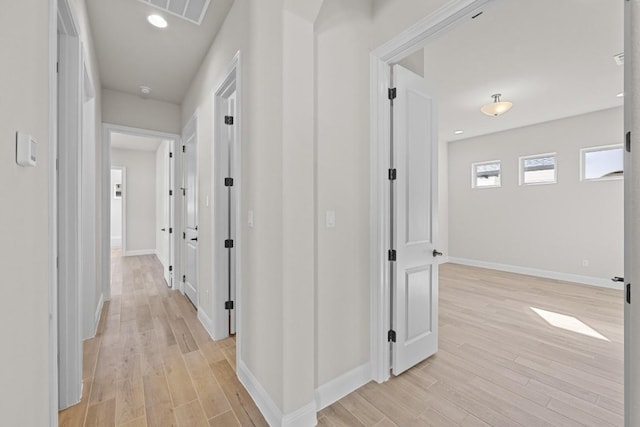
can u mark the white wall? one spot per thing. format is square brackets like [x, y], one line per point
[119, 108]
[342, 186]
[140, 194]
[116, 210]
[23, 216]
[546, 227]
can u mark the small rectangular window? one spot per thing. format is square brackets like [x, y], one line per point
[486, 174]
[601, 163]
[538, 169]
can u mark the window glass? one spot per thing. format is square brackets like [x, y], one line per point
[539, 169]
[602, 163]
[486, 174]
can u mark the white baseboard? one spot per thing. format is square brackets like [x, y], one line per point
[272, 414]
[141, 252]
[206, 322]
[160, 258]
[443, 260]
[116, 242]
[566, 277]
[339, 387]
[303, 417]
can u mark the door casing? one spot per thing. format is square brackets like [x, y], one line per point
[381, 59]
[107, 131]
[228, 84]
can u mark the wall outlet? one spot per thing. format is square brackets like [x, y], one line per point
[585, 263]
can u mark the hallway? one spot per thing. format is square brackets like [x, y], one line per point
[151, 362]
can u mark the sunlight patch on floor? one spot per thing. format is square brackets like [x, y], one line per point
[568, 323]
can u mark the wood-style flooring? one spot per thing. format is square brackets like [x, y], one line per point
[153, 364]
[501, 364]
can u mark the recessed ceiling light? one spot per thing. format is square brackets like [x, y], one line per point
[458, 132]
[620, 95]
[157, 21]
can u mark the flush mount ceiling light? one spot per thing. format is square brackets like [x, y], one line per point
[496, 107]
[145, 91]
[157, 21]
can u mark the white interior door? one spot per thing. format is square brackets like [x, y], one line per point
[414, 191]
[231, 215]
[190, 193]
[167, 192]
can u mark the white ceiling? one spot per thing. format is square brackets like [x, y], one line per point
[132, 53]
[123, 141]
[551, 58]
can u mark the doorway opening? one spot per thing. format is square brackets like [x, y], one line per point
[381, 128]
[142, 203]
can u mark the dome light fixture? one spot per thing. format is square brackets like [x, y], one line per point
[157, 21]
[496, 107]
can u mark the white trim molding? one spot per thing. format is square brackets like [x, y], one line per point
[339, 387]
[305, 416]
[565, 277]
[140, 252]
[96, 317]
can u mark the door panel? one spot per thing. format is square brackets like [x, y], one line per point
[415, 278]
[190, 154]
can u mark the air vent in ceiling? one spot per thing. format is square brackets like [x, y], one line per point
[191, 10]
[619, 58]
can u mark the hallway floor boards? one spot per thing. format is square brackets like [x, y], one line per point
[500, 363]
[153, 364]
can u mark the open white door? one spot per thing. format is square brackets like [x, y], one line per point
[190, 193]
[414, 196]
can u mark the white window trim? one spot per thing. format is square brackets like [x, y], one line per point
[535, 156]
[474, 178]
[585, 150]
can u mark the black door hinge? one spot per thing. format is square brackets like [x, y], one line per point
[228, 120]
[228, 243]
[184, 191]
[57, 67]
[391, 335]
[628, 142]
[628, 293]
[228, 305]
[184, 279]
[170, 230]
[184, 148]
[392, 93]
[171, 268]
[392, 254]
[170, 155]
[171, 192]
[392, 174]
[184, 236]
[228, 182]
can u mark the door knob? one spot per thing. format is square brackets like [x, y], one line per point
[617, 279]
[436, 253]
[194, 239]
[163, 229]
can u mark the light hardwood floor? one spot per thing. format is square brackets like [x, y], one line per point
[501, 364]
[153, 364]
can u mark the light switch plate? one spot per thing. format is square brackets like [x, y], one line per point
[26, 149]
[331, 219]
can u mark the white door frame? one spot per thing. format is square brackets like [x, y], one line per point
[382, 58]
[229, 82]
[107, 130]
[631, 208]
[53, 213]
[192, 123]
[68, 110]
